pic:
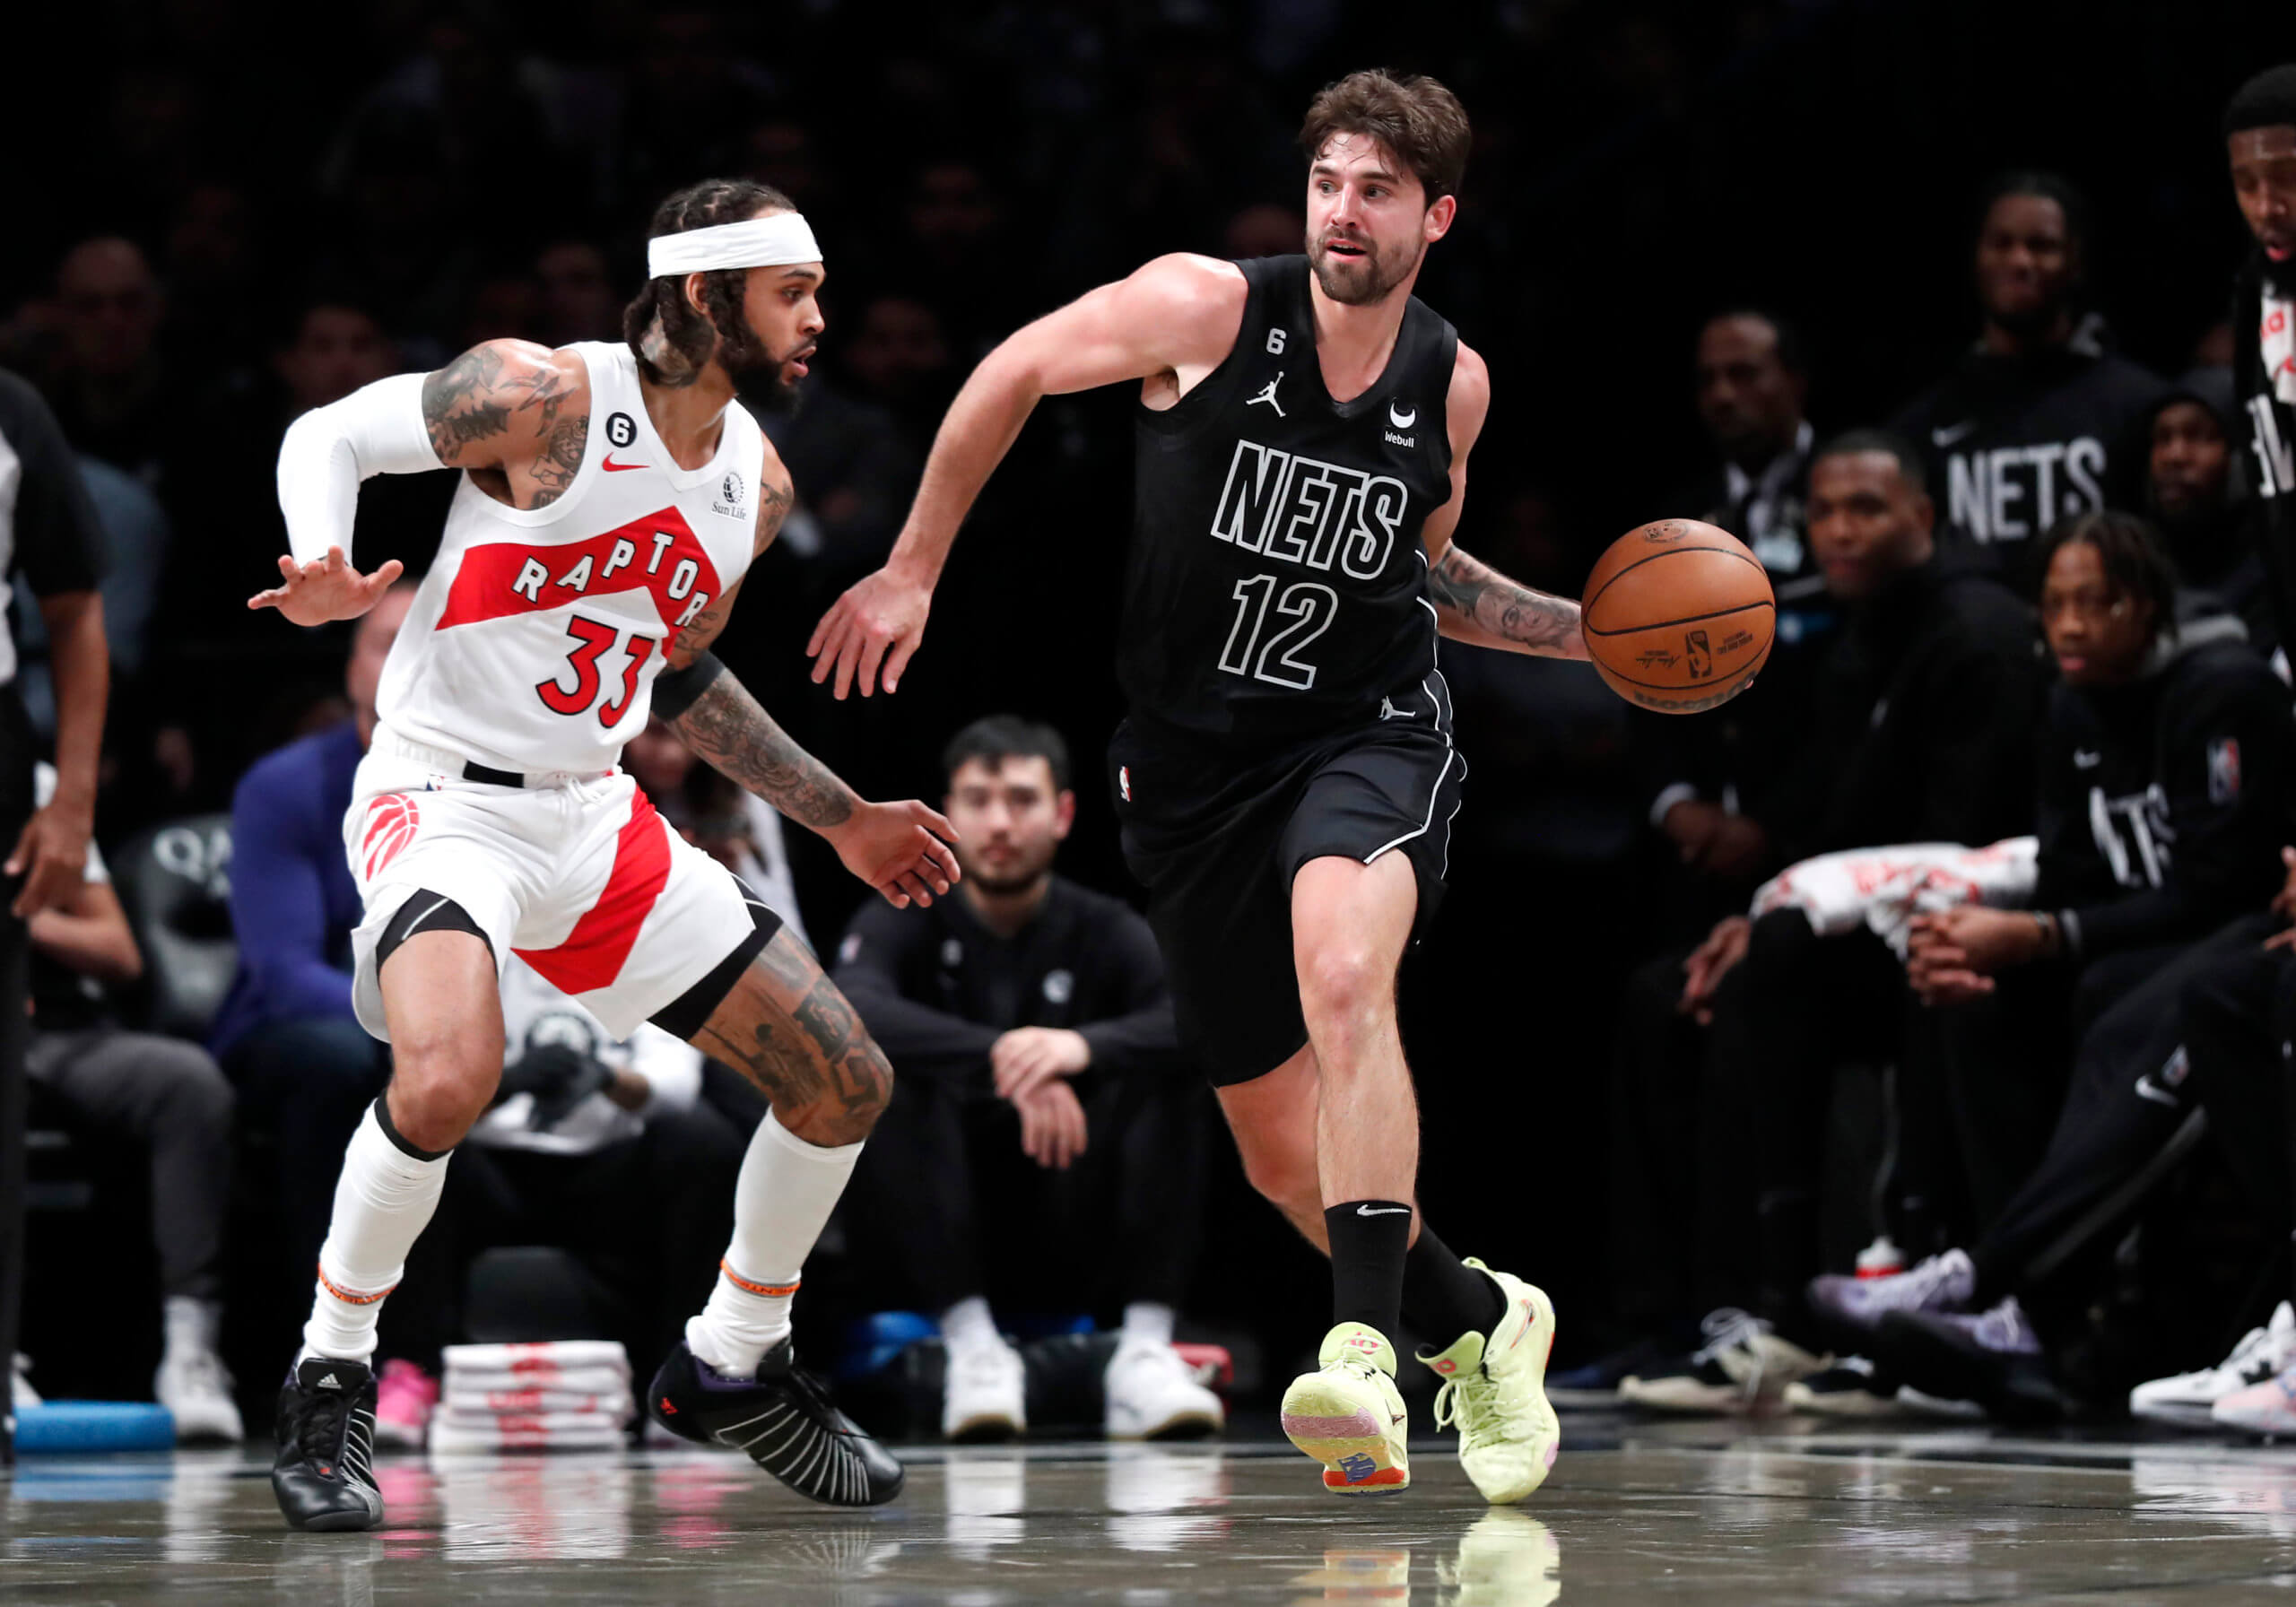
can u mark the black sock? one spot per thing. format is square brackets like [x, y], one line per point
[1446, 1297]
[1368, 1241]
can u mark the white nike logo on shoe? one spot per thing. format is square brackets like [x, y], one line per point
[1365, 1210]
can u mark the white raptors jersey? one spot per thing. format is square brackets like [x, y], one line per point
[533, 642]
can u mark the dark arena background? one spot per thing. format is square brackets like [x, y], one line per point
[220, 214]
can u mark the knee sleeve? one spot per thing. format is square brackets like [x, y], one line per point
[425, 911]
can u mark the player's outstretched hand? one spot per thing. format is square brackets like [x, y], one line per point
[877, 622]
[326, 589]
[900, 849]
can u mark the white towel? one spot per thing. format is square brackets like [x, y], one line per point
[2278, 334]
[523, 1434]
[530, 1422]
[1885, 887]
[559, 1355]
[513, 1402]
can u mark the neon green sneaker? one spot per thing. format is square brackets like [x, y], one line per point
[1347, 1415]
[1495, 1392]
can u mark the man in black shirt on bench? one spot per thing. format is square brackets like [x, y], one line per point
[1030, 1008]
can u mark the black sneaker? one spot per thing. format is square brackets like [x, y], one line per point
[1993, 1358]
[322, 1475]
[784, 1419]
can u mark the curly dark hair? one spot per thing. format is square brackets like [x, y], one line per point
[672, 341]
[2136, 563]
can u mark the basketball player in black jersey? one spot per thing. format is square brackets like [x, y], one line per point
[1286, 778]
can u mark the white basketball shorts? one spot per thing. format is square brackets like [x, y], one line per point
[575, 875]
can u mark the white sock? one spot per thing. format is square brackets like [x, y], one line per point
[781, 1202]
[382, 1202]
[969, 1323]
[1147, 1323]
[191, 1325]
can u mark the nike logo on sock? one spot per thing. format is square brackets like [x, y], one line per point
[1383, 1210]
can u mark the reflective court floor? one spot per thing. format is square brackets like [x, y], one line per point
[1707, 1513]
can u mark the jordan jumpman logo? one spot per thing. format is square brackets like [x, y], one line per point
[1268, 395]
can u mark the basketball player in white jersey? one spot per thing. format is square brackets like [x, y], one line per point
[612, 495]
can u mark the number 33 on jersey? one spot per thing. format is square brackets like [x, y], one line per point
[535, 639]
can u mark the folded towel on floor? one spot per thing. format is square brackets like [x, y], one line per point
[523, 1434]
[532, 1422]
[556, 1355]
[582, 1381]
[523, 1400]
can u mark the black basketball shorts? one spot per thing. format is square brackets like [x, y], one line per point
[1217, 840]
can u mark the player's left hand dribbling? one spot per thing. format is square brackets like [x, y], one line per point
[900, 849]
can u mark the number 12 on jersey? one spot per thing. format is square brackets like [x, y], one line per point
[1310, 607]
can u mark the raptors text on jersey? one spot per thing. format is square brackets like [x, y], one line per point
[534, 640]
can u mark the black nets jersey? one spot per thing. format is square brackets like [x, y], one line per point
[1277, 584]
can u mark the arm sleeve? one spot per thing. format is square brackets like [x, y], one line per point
[376, 429]
[920, 1042]
[2229, 766]
[1141, 1037]
[279, 904]
[59, 546]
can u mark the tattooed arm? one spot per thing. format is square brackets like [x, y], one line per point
[900, 849]
[1473, 602]
[513, 415]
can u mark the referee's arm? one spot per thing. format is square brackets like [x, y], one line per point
[59, 550]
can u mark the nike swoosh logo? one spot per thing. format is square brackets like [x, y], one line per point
[1953, 433]
[1395, 1416]
[1383, 1210]
[611, 468]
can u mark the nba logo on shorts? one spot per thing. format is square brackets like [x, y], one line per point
[392, 820]
[1124, 781]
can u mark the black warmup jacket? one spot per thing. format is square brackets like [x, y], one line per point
[2270, 436]
[937, 988]
[2164, 803]
[2016, 444]
[1925, 713]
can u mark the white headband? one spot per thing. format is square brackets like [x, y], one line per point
[752, 243]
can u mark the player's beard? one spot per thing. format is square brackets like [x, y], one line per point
[750, 363]
[1362, 281]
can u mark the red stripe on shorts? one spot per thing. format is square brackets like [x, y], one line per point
[593, 953]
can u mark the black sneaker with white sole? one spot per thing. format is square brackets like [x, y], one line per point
[323, 1475]
[784, 1419]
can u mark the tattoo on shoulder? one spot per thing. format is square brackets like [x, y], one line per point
[459, 405]
[560, 459]
[481, 394]
[774, 499]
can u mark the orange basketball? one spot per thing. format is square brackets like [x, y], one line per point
[1678, 616]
